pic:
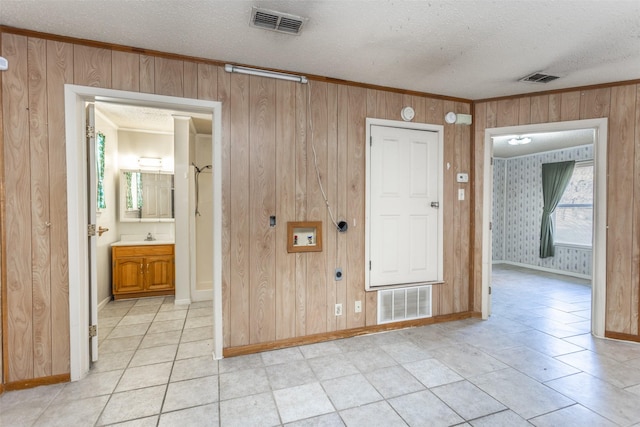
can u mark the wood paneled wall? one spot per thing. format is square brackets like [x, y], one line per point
[621, 105]
[270, 129]
[274, 127]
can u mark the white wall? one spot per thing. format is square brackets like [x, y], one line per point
[183, 212]
[204, 221]
[521, 204]
[108, 217]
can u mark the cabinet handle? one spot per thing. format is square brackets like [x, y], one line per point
[147, 268]
[141, 268]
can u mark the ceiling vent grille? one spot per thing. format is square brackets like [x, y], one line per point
[276, 21]
[539, 78]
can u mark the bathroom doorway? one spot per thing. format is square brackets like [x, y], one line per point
[75, 99]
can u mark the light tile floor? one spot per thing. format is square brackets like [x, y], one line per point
[532, 363]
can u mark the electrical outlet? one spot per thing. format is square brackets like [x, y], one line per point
[338, 275]
[358, 306]
[460, 193]
[338, 309]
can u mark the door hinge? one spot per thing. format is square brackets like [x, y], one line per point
[369, 265]
[91, 230]
[492, 161]
[91, 132]
[490, 225]
[93, 331]
[370, 141]
[489, 290]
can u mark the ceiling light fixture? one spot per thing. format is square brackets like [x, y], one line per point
[519, 140]
[264, 73]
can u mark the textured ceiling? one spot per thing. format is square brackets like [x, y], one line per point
[133, 117]
[469, 49]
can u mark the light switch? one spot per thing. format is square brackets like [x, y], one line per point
[460, 193]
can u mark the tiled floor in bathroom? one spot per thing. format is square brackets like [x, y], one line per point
[533, 362]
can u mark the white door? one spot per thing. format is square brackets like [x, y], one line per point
[404, 189]
[92, 204]
[489, 266]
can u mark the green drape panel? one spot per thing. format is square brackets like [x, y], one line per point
[555, 178]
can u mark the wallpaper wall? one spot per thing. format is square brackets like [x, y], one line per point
[517, 209]
[499, 194]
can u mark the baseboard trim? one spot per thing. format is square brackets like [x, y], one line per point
[346, 333]
[1, 388]
[621, 336]
[476, 314]
[202, 295]
[545, 269]
[36, 382]
[104, 302]
[185, 301]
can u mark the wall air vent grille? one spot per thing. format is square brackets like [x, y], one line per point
[539, 78]
[276, 21]
[395, 305]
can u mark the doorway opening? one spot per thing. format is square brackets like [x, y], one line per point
[80, 285]
[598, 129]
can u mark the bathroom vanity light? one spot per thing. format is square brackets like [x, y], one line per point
[150, 162]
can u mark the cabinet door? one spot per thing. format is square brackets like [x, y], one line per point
[128, 275]
[159, 273]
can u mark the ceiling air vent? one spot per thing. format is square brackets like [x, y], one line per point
[276, 21]
[539, 78]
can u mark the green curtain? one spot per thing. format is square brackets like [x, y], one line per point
[128, 177]
[555, 178]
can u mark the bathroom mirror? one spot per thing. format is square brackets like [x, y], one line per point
[146, 196]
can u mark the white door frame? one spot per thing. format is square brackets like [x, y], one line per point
[599, 255]
[75, 98]
[439, 129]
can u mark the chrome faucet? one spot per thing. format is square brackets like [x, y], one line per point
[149, 237]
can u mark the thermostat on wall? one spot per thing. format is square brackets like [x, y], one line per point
[462, 177]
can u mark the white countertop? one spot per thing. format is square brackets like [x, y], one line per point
[142, 242]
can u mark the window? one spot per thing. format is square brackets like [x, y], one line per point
[573, 218]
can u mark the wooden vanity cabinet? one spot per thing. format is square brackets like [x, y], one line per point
[143, 271]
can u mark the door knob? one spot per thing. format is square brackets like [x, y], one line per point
[435, 205]
[102, 230]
